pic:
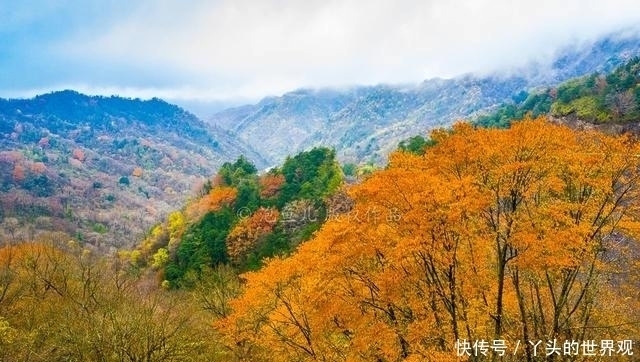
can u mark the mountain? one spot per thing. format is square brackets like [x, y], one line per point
[602, 56]
[609, 102]
[103, 169]
[365, 123]
[242, 218]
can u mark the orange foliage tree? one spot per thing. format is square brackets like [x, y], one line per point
[18, 173]
[216, 199]
[246, 235]
[270, 184]
[137, 172]
[519, 234]
[38, 168]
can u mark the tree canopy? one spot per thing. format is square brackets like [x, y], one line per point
[242, 217]
[522, 234]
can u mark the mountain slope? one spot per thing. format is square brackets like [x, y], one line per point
[101, 168]
[241, 218]
[610, 102]
[366, 123]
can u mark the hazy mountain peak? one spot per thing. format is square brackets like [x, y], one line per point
[365, 123]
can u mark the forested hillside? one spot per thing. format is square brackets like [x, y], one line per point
[521, 234]
[102, 169]
[612, 98]
[241, 218]
[364, 181]
[525, 234]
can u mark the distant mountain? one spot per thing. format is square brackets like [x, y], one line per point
[365, 123]
[602, 56]
[101, 168]
[609, 102]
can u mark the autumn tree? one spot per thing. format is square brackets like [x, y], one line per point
[137, 172]
[58, 301]
[78, 154]
[44, 142]
[246, 234]
[18, 173]
[216, 199]
[176, 223]
[516, 234]
[270, 185]
[38, 168]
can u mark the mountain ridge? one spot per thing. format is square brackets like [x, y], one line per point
[102, 168]
[365, 123]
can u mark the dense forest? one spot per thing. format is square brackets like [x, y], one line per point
[520, 234]
[241, 218]
[319, 181]
[597, 98]
[103, 169]
[493, 240]
[517, 235]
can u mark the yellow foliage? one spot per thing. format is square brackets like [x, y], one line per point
[68, 305]
[176, 224]
[160, 258]
[492, 234]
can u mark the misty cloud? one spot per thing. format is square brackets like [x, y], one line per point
[230, 49]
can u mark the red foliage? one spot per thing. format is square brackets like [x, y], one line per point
[44, 142]
[18, 173]
[78, 154]
[246, 235]
[10, 156]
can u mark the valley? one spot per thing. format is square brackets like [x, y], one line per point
[382, 222]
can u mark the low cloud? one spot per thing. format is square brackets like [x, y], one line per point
[230, 49]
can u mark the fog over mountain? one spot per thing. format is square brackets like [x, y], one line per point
[365, 123]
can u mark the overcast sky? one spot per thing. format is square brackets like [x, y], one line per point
[231, 49]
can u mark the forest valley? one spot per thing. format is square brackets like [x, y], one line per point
[520, 234]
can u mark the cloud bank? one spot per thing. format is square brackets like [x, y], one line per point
[230, 49]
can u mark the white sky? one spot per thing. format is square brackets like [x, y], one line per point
[223, 50]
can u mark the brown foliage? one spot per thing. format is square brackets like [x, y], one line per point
[18, 173]
[270, 185]
[38, 168]
[246, 235]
